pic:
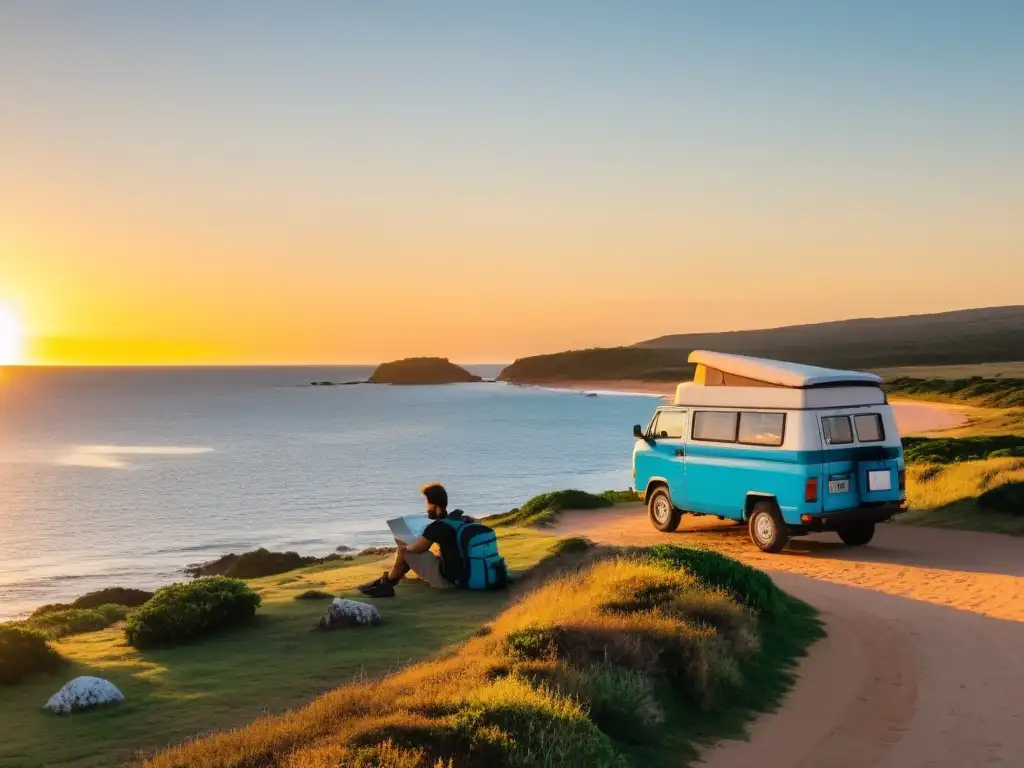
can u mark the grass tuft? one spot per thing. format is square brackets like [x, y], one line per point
[315, 594]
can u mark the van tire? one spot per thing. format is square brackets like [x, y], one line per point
[857, 534]
[767, 530]
[664, 516]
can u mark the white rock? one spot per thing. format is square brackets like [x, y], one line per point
[349, 613]
[83, 693]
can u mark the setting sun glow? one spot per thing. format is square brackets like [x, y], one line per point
[11, 337]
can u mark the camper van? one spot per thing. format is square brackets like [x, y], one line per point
[786, 449]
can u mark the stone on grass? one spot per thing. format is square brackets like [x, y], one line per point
[84, 693]
[343, 614]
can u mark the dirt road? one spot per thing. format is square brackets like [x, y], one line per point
[924, 660]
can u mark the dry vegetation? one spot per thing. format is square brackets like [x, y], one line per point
[592, 668]
[952, 495]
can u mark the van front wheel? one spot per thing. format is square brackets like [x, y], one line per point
[664, 516]
[857, 534]
[767, 530]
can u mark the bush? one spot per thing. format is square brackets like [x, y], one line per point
[570, 545]
[749, 586]
[23, 653]
[131, 598]
[375, 552]
[951, 450]
[993, 393]
[255, 564]
[182, 613]
[76, 621]
[1007, 499]
[544, 509]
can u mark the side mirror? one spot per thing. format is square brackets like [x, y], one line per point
[638, 431]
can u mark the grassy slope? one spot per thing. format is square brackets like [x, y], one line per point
[629, 660]
[970, 336]
[942, 487]
[946, 496]
[230, 679]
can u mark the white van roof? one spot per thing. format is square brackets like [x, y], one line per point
[778, 373]
[778, 398]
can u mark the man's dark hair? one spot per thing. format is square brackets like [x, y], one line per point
[436, 494]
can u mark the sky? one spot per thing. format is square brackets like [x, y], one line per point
[341, 182]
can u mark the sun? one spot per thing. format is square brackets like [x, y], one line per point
[12, 338]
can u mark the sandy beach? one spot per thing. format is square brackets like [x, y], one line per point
[913, 417]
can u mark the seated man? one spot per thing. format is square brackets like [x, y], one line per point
[443, 572]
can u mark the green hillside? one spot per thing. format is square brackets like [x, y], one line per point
[967, 336]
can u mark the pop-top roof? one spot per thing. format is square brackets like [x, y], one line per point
[779, 373]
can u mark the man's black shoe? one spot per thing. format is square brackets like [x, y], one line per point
[374, 583]
[381, 588]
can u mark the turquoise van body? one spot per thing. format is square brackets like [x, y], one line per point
[785, 460]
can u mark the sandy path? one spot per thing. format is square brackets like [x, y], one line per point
[924, 661]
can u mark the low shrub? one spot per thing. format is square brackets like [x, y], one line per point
[185, 612]
[951, 450]
[570, 544]
[749, 586]
[315, 594]
[544, 509]
[24, 653]
[1007, 499]
[256, 564]
[76, 621]
[125, 596]
[376, 552]
[993, 393]
[132, 598]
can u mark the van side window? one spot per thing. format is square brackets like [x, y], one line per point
[715, 426]
[869, 427]
[837, 430]
[669, 425]
[761, 428]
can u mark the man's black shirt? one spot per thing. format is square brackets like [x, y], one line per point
[447, 540]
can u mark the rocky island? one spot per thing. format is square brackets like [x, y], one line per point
[421, 370]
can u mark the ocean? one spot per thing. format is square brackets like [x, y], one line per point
[125, 476]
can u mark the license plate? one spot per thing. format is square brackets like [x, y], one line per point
[839, 486]
[880, 480]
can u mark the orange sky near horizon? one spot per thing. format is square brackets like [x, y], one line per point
[240, 185]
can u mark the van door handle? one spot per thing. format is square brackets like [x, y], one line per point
[680, 452]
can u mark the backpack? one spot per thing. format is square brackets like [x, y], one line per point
[483, 567]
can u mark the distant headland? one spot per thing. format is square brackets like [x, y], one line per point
[421, 370]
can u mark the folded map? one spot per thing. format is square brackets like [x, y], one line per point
[410, 528]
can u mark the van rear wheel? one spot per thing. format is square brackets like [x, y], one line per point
[857, 534]
[767, 530]
[664, 516]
